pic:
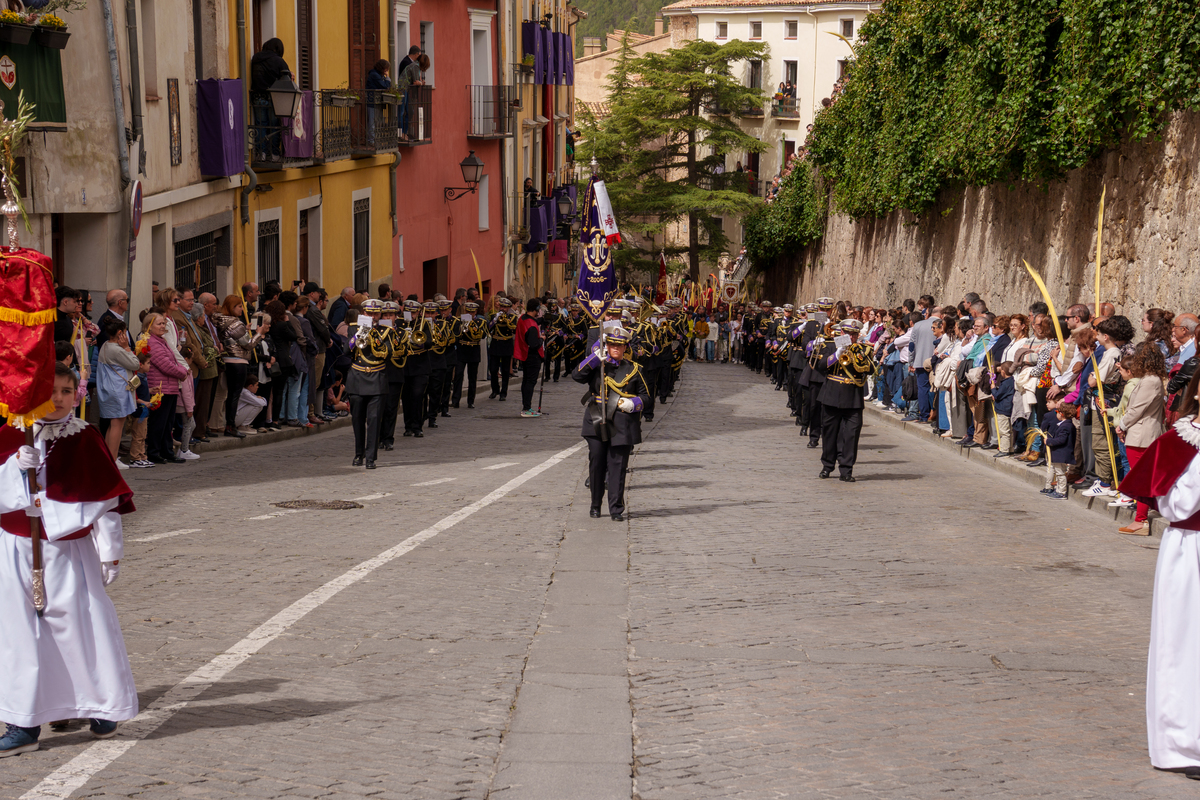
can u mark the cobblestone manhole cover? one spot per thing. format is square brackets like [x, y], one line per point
[323, 505]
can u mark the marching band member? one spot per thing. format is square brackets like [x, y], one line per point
[416, 369]
[394, 370]
[366, 381]
[841, 399]
[612, 417]
[502, 327]
[472, 332]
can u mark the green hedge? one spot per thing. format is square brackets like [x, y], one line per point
[794, 219]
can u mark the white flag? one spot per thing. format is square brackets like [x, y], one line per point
[608, 220]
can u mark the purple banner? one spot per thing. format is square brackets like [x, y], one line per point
[220, 127]
[569, 75]
[537, 229]
[597, 274]
[531, 38]
[298, 132]
[551, 61]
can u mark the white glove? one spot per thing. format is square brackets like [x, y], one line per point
[625, 404]
[28, 457]
[109, 571]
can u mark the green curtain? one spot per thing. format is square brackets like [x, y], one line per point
[39, 75]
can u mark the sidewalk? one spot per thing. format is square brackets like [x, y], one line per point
[1031, 475]
[220, 443]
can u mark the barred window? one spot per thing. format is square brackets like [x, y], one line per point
[196, 264]
[362, 244]
[268, 251]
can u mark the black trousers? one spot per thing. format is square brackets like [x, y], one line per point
[471, 371]
[448, 387]
[815, 412]
[500, 371]
[650, 375]
[607, 465]
[557, 361]
[664, 382]
[158, 429]
[793, 389]
[840, 428]
[531, 368]
[437, 380]
[572, 361]
[391, 409]
[364, 413]
[235, 379]
[413, 399]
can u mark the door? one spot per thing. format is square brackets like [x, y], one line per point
[364, 52]
[304, 44]
[302, 248]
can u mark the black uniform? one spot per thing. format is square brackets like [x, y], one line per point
[452, 364]
[366, 384]
[440, 339]
[644, 347]
[575, 334]
[816, 368]
[416, 378]
[552, 333]
[395, 382]
[610, 433]
[842, 413]
[469, 356]
[797, 364]
[503, 326]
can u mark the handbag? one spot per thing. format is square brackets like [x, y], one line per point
[275, 371]
[908, 389]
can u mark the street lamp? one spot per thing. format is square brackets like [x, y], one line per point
[285, 97]
[472, 172]
[564, 204]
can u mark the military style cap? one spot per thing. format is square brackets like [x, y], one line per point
[674, 302]
[766, 304]
[373, 306]
[811, 308]
[412, 305]
[788, 307]
[573, 303]
[826, 303]
[616, 335]
[444, 304]
[431, 305]
[850, 325]
[471, 305]
[391, 306]
[504, 302]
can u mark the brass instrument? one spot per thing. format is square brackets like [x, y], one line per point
[857, 361]
[418, 337]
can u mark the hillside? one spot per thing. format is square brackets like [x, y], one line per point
[609, 15]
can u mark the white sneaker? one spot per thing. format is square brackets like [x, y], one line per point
[1123, 501]
[141, 463]
[121, 464]
[1098, 489]
[246, 429]
[188, 455]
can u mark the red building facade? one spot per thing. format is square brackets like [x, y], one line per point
[464, 107]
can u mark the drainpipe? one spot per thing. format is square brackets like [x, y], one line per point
[135, 82]
[392, 187]
[242, 73]
[114, 68]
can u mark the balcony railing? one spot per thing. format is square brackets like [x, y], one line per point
[374, 122]
[416, 116]
[785, 107]
[333, 132]
[279, 143]
[491, 111]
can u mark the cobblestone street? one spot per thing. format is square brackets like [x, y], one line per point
[936, 629]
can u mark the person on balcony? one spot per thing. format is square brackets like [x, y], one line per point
[413, 75]
[377, 83]
[266, 67]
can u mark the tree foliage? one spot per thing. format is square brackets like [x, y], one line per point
[793, 220]
[973, 92]
[609, 15]
[663, 146]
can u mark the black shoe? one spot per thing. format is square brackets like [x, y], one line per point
[493, 395]
[453, 405]
[970, 444]
[234, 432]
[175, 460]
[470, 405]
[647, 417]
[389, 447]
[587, 483]
[803, 430]
[847, 479]
[823, 474]
[594, 513]
[618, 517]
[370, 465]
[357, 462]
[1041, 462]
[446, 414]
[156, 460]
[502, 398]
[814, 445]
[991, 447]
[433, 423]
[418, 435]
[408, 433]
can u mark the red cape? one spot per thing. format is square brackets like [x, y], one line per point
[79, 469]
[1158, 470]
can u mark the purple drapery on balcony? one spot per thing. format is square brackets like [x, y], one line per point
[565, 56]
[551, 56]
[298, 133]
[531, 37]
[551, 212]
[569, 61]
[220, 127]
[537, 229]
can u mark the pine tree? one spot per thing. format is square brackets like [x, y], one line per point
[671, 124]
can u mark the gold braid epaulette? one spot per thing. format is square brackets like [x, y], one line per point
[619, 386]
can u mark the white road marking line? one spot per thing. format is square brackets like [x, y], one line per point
[275, 514]
[167, 535]
[379, 496]
[435, 483]
[63, 782]
[502, 466]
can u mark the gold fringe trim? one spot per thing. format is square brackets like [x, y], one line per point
[28, 318]
[23, 421]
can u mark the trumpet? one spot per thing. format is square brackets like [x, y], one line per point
[419, 337]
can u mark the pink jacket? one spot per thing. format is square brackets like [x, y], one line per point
[164, 372]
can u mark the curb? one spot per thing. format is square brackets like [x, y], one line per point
[1032, 476]
[221, 443]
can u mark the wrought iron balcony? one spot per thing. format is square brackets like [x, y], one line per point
[786, 107]
[416, 116]
[277, 143]
[374, 122]
[333, 135]
[492, 110]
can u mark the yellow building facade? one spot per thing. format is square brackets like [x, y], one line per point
[325, 215]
